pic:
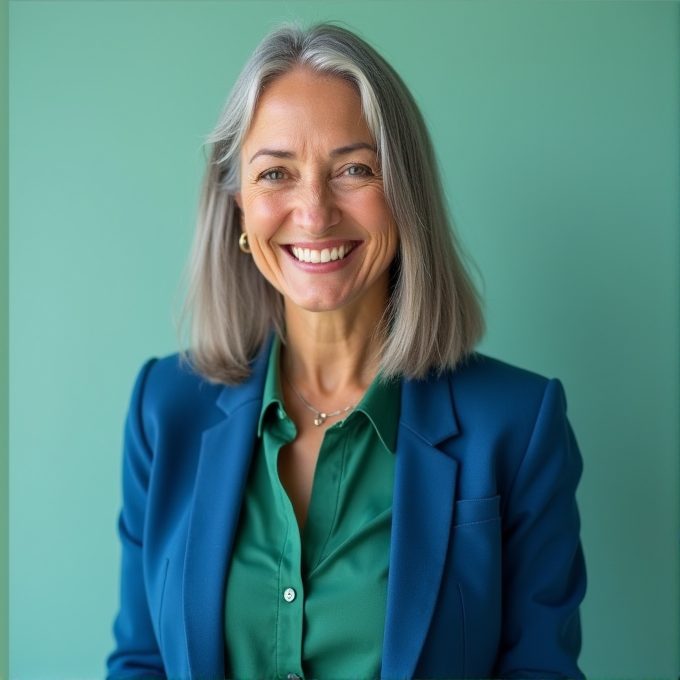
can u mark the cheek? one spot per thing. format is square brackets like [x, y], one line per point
[265, 262]
[263, 215]
[386, 234]
[374, 215]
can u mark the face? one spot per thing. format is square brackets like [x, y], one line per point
[312, 197]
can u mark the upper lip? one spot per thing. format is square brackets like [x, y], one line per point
[321, 245]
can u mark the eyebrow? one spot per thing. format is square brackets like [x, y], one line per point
[278, 153]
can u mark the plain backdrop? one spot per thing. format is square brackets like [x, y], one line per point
[556, 126]
[4, 344]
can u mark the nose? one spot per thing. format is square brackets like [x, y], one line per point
[316, 209]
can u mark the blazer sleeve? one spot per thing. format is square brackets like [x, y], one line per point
[136, 654]
[544, 578]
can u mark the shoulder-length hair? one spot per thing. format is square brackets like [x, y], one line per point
[433, 316]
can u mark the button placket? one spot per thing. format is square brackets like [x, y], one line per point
[289, 626]
[291, 610]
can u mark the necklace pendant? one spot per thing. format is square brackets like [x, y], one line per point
[320, 419]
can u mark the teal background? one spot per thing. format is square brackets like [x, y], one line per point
[556, 125]
[4, 346]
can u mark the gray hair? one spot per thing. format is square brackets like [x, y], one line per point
[433, 316]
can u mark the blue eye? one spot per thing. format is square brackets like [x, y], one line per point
[358, 170]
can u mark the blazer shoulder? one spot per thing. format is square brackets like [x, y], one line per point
[484, 386]
[482, 365]
[173, 378]
[488, 371]
[171, 393]
[169, 390]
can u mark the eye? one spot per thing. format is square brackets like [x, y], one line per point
[358, 171]
[274, 174]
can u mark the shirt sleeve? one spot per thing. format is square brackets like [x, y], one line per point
[136, 654]
[544, 578]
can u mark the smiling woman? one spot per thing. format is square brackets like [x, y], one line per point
[331, 482]
[312, 199]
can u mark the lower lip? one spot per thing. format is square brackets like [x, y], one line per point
[324, 267]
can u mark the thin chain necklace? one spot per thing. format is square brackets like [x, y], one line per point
[319, 417]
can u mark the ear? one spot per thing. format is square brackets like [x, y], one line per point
[237, 198]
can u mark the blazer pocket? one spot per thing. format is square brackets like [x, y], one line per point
[476, 558]
[476, 510]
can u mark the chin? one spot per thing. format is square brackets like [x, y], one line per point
[317, 303]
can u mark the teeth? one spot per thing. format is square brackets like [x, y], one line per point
[325, 255]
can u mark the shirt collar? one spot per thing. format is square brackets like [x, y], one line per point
[380, 404]
[272, 383]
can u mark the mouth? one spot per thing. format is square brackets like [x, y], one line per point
[330, 253]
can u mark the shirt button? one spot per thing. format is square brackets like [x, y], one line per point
[288, 594]
[292, 676]
[281, 414]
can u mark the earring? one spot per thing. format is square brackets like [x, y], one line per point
[243, 243]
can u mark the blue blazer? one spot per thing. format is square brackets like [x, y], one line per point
[486, 569]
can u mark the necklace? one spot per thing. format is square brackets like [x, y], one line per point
[320, 418]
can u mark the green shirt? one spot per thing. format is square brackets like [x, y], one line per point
[313, 604]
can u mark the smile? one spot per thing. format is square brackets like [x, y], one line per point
[323, 255]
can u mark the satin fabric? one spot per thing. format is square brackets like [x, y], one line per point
[332, 623]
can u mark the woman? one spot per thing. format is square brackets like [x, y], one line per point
[332, 483]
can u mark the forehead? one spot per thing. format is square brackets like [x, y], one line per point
[307, 107]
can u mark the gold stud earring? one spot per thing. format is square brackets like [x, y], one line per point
[243, 243]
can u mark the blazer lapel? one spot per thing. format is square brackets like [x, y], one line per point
[422, 513]
[226, 452]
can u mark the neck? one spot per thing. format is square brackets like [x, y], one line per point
[337, 352]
